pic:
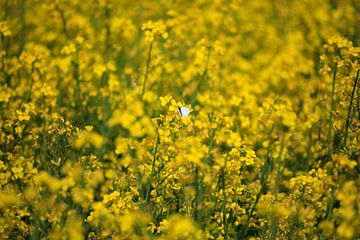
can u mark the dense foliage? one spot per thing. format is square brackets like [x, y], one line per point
[93, 146]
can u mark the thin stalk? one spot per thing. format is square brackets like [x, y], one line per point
[203, 75]
[32, 209]
[330, 145]
[147, 70]
[37, 219]
[225, 222]
[197, 182]
[274, 227]
[76, 75]
[263, 175]
[350, 108]
[278, 165]
[63, 21]
[43, 145]
[152, 168]
[358, 103]
[210, 146]
[6, 10]
[329, 213]
[3, 73]
[31, 81]
[22, 26]
[108, 32]
[196, 200]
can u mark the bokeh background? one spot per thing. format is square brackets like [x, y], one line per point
[92, 145]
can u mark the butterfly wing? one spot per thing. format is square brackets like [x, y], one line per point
[184, 111]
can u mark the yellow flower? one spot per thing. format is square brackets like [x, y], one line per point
[18, 172]
[121, 145]
[4, 29]
[8, 199]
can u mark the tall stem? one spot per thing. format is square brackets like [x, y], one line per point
[38, 223]
[350, 108]
[108, 32]
[274, 224]
[147, 70]
[22, 27]
[63, 21]
[278, 167]
[263, 176]
[147, 197]
[225, 221]
[330, 146]
[31, 81]
[196, 186]
[203, 75]
[2, 42]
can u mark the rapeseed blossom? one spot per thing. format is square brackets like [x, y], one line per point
[179, 119]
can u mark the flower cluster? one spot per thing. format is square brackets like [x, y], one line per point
[191, 119]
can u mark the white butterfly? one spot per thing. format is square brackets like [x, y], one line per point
[184, 111]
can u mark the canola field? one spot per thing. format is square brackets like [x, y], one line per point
[188, 119]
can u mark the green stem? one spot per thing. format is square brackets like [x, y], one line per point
[330, 146]
[274, 227]
[63, 21]
[6, 10]
[32, 210]
[203, 75]
[196, 200]
[225, 222]
[79, 103]
[212, 135]
[31, 81]
[3, 72]
[147, 70]
[278, 166]
[350, 108]
[22, 27]
[263, 175]
[197, 182]
[108, 32]
[152, 168]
